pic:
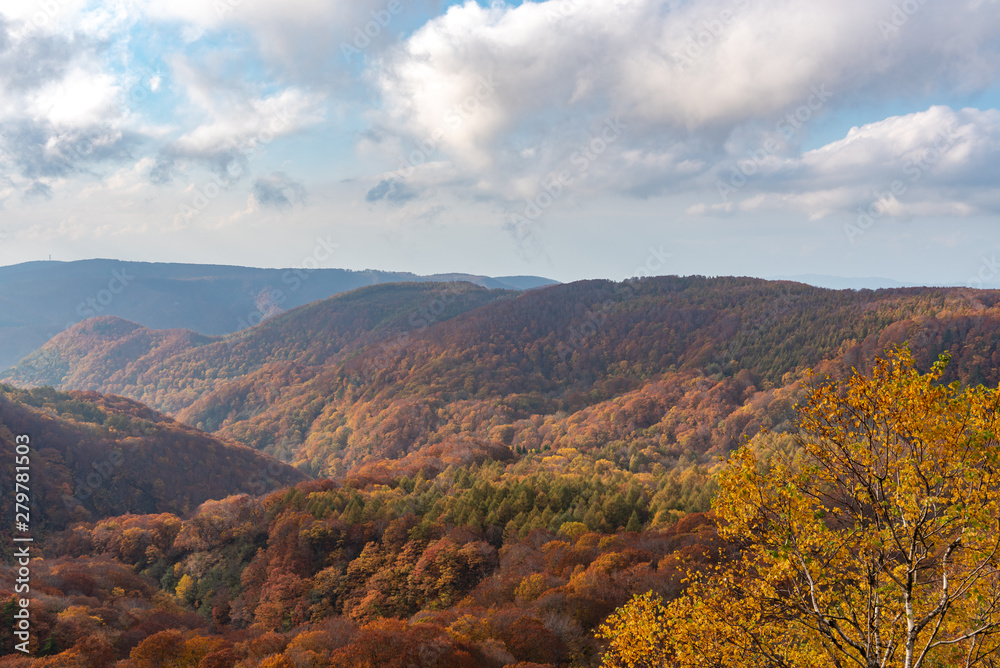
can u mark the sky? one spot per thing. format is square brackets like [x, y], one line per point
[569, 139]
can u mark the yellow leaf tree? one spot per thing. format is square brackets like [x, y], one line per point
[636, 634]
[875, 544]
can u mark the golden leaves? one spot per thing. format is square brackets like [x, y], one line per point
[876, 543]
[637, 633]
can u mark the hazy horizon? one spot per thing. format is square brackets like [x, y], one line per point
[829, 281]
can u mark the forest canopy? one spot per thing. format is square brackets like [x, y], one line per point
[875, 542]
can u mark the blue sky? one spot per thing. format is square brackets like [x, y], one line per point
[568, 138]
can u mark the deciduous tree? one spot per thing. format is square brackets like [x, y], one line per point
[875, 544]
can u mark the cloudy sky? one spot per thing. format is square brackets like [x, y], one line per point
[565, 138]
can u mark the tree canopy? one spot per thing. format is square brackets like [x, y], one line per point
[873, 543]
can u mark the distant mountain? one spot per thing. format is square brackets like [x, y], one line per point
[499, 282]
[40, 299]
[842, 283]
[398, 378]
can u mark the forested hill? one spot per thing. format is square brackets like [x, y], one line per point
[169, 369]
[399, 378]
[95, 456]
[501, 470]
[40, 299]
[633, 373]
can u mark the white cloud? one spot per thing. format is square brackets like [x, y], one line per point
[43, 16]
[61, 110]
[261, 118]
[302, 36]
[687, 77]
[936, 162]
[82, 97]
[486, 102]
[232, 121]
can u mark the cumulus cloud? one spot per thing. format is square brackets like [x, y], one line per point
[936, 162]
[304, 38]
[76, 103]
[510, 93]
[41, 149]
[60, 111]
[237, 121]
[34, 60]
[507, 108]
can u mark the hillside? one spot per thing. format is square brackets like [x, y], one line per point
[168, 370]
[631, 373]
[641, 373]
[40, 299]
[96, 456]
[505, 469]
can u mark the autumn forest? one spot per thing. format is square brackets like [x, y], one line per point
[669, 471]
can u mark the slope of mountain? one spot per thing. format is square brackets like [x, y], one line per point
[637, 373]
[508, 467]
[40, 299]
[674, 365]
[170, 369]
[95, 456]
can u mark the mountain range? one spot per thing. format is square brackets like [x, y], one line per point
[421, 473]
[410, 376]
[40, 299]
